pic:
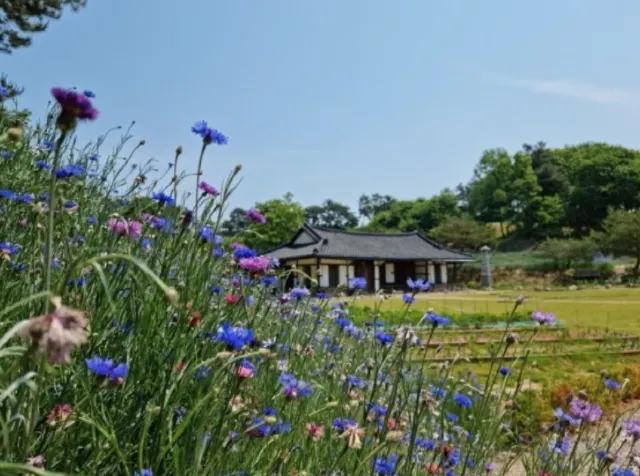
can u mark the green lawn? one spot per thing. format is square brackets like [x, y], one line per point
[617, 308]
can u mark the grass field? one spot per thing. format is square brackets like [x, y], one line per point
[617, 308]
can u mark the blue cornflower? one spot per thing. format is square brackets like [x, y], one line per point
[92, 220]
[69, 204]
[4, 92]
[215, 290]
[217, 252]
[70, 171]
[208, 134]
[377, 410]
[94, 158]
[43, 196]
[7, 154]
[299, 293]
[258, 429]
[384, 338]
[18, 267]
[199, 127]
[106, 368]
[143, 472]
[294, 388]
[612, 384]
[47, 144]
[623, 472]
[269, 411]
[560, 447]
[234, 337]
[23, 198]
[385, 466]
[462, 400]
[408, 298]
[418, 284]
[8, 194]
[343, 322]
[244, 252]
[342, 424]
[281, 427]
[206, 233]
[452, 417]
[269, 280]
[8, 249]
[506, 371]
[435, 320]
[202, 373]
[355, 381]
[357, 283]
[91, 94]
[43, 165]
[163, 198]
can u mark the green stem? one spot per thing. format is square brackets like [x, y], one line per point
[48, 254]
[198, 174]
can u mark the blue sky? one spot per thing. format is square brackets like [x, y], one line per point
[335, 98]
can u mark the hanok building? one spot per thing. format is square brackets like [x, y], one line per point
[333, 257]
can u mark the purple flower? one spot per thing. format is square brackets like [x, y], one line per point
[357, 283]
[544, 317]
[255, 216]
[75, 106]
[294, 388]
[208, 189]
[257, 264]
[632, 428]
[611, 384]
[418, 284]
[584, 410]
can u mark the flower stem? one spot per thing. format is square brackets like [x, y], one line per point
[198, 174]
[48, 253]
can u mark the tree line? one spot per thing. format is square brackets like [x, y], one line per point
[537, 193]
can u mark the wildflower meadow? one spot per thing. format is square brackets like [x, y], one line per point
[137, 340]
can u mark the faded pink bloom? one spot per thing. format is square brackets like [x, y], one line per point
[354, 435]
[123, 227]
[23, 222]
[56, 334]
[259, 263]
[37, 462]
[315, 431]
[236, 404]
[61, 414]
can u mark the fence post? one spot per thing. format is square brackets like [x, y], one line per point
[486, 268]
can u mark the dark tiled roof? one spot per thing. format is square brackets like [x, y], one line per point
[327, 243]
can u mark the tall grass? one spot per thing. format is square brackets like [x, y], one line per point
[213, 367]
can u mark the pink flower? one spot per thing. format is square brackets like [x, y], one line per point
[259, 263]
[122, 227]
[208, 189]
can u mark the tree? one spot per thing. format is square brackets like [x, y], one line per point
[369, 206]
[331, 215]
[567, 252]
[463, 233]
[621, 235]
[502, 188]
[20, 19]
[284, 218]
[602, 176]
[236, 223]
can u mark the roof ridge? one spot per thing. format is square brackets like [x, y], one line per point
[363, 233]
